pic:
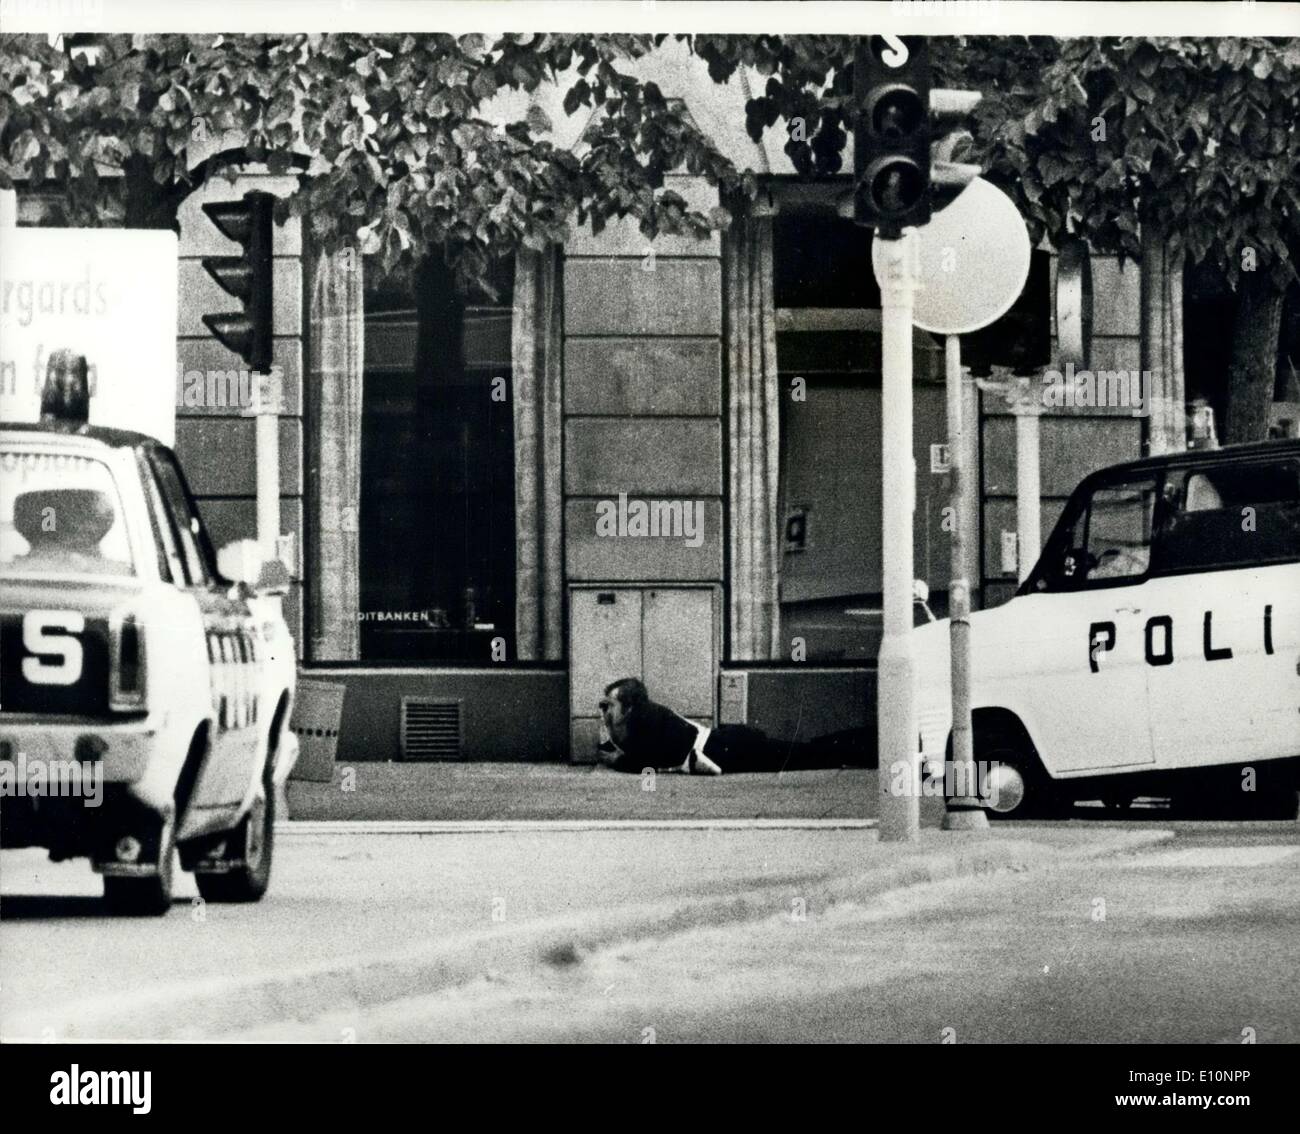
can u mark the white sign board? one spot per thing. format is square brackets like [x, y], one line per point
[974, 261]
[108, 294]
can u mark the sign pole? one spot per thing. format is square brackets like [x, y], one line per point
[896, 268]
[963, 812]
[1028, 486]
[268, 463]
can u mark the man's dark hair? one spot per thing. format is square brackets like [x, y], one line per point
[631, 691]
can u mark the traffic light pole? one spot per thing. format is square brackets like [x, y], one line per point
[1028, 487]
[908, 141]
[963, 812]
[268, 464]
[895, 265]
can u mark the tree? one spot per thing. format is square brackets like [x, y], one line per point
[1193, 144]
[1153, 149]
[1164, 149]
[402, 157]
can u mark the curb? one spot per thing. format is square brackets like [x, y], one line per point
[309, 828]
[231, 1008]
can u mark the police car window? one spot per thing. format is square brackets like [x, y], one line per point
[61, 514]
[170, 566]
[1235, 515]
[1119, 531]
[189, 533]
[1106, 537]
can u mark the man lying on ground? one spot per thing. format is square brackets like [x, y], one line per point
[641, 734]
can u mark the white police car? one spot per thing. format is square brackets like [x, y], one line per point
[1155, 647]
[127, 655]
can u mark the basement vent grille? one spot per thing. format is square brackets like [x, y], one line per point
[431, 729]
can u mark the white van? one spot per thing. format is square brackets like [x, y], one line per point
[1155, 647]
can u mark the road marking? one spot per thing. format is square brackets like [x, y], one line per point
[1225, 857]
[503, 826]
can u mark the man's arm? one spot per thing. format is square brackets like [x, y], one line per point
[611, 755]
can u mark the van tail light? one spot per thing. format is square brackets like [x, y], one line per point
[126, 679]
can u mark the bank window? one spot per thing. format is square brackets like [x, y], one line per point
[1237, 515]
[437, 526]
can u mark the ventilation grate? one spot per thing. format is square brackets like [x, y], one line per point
[431, 729]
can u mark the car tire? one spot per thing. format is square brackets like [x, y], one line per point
[1008, 765]
[147, 895]
[249, 846]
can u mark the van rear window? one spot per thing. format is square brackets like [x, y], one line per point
[1239, 515]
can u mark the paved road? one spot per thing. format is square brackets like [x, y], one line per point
[336, 896]
[1196, 943]
[1190, 942]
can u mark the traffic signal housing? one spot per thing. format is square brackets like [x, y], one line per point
[247, 277]
[891, 141]
[950, 141]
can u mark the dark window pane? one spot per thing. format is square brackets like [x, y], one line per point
[820, 259]
[1233, 516]
[437, 470]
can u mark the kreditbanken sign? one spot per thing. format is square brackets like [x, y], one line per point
[109, 294]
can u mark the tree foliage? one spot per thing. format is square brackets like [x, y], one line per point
[1089, 135]
[1196, 139]
[403, 155]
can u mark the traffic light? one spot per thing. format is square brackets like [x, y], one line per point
[909, 141]
[246, 277]
[891, 142]
[950, 141]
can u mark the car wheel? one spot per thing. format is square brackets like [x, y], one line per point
[150, 894]
[1010, 784]
[248, 848]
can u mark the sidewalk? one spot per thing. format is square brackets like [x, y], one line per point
[438, 792]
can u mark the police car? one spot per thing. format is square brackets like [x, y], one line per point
[129, 654]
[1155, 647]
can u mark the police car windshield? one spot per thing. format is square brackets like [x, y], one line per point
[60, 514]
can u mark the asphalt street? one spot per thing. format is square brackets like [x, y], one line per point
[694, 930]
[1190, 942]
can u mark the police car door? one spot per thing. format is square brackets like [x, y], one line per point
[1229, 580]
[229, 649]
[1082, 629]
